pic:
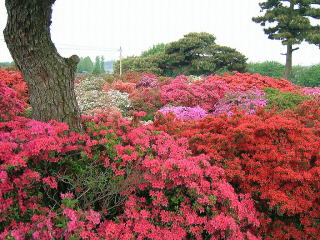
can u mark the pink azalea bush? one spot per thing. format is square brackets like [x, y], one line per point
[53, 180]
[311, 91]
[185, 113]
[10, 103]
[199, 93]
[248, 100]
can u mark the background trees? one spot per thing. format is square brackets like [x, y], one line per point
[85, 65]
[289, 21]
[194, 54]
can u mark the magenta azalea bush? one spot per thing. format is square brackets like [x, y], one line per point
[311, 91]
[248, 100]
[200, 93]
[185, 113]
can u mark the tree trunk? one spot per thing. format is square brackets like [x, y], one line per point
[50, 77]
[288, 67]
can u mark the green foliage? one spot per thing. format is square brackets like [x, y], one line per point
[290, 20]
[85, 65]
[283, 100]
[269, 68]
[197, 53]
[194, 54]
[102, 65]
[151, 63]
[309, 76]
[158, 48]
[98, 67]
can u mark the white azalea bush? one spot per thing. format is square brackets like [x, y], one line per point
[120, 100]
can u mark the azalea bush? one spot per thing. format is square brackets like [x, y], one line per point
[247, 81]
[119, 180]
[14, 80]
[227, 157]
[10, 103]
[312, 92]
[199, 93]
[185, 113]
[273, 157]
[249, 101]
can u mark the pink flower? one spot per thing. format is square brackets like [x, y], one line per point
[93, 217]
[66, 195]
[51, 182]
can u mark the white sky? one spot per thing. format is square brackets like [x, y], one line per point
[100, 27]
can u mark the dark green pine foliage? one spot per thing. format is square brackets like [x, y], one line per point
[314, 12]
[289, 21]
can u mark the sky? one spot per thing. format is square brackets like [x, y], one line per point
[100, 27]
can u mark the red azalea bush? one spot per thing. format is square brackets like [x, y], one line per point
[146, 99]
[10, 103]
[119, 85]
[134, 77]
[204, 93]
[247, 81]
[273, 157]
[14, 80]
[119, 180]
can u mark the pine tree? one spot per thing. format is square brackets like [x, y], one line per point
[289, 21]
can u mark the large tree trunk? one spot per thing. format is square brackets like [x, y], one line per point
[288, 67]
[50, 77]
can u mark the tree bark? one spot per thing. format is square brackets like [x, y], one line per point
[288, 67]
[50, 77]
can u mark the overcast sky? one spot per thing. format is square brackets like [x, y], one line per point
[100, 27]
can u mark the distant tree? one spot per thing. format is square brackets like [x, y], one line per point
[97, 66]
[289, 21]
[102, 65]
[85, 65]
[158, 48]
[197, 53]
[6, 64]
[150, 63]
[50, 77]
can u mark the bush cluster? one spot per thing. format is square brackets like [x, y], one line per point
[226, 157]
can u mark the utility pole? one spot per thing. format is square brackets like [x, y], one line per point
[120, 60]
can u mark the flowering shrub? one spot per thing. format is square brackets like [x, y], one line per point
[185, 113]
[248, 100]
[312, 92]
[246, 81]
[49, 177]
[146, 99]
[273, 157]
[14, 80]
[10, 102]
[148, 82]
[119, 85]
[120, 100]
[135, 77]
[200, 93]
